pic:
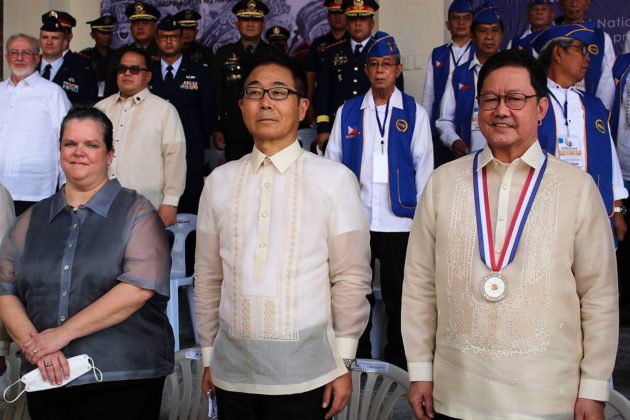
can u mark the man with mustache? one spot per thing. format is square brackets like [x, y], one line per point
[30, 117]
[510, 296]
[384, 137]
[458, 126]
[575, 128]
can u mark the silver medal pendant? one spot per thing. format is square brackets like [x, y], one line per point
[494, 287]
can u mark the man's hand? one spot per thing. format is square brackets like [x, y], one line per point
[459, 148]
[340, 389]
[589, 409]
[206, 381]
[219, 140]
[620, 226]
[421, 399]
[168, 214]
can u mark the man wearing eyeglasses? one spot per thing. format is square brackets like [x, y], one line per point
[384, 137]
[281, 266]
[149, 142]
[510, 296]
[186, 85]
[30, 117]
[576, 128]
[458, 122]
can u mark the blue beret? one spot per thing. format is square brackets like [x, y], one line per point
[460, 6]
[579, 32]
[486, 13]
[383, 45]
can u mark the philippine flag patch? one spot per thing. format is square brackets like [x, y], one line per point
[464, 86]
[352, 132]
[439, 64]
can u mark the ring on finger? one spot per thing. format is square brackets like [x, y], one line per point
[48, 364]
[35, 350]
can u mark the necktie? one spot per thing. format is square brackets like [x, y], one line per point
[357, 50]
[169, 74]
[46, 73]
[250, 49]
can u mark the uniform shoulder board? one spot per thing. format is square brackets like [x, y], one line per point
[335, 44]
[82, 53]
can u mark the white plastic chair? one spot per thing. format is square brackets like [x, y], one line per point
[384, 385]
[182, 390]
[617, 407]
[186, 223]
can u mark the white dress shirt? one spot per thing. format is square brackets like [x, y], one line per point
[606, 86]
[459, 55]
[30, 117]
[446, 123]
[523, 35]
[175, 65]
[375, 196]
[623, 133]
[575, 132]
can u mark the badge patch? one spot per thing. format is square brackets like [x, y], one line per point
[352, 132]
[593, 49]
[601, 127]
[340, 59]
[402, 125]
[464, 86]
[71, 87]
[189, 85]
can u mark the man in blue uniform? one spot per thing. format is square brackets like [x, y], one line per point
[458, 126]
[539, 17]
[385, 139]
[342, 74]
[188, 87]
[234, 62]
[68, 70]
[575, 128]
[189, 20]
[100, 54]
[441, 64]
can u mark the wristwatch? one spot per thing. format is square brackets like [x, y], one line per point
[350, 363]
[621, 209]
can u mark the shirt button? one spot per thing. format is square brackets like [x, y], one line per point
[62, 318]
[261, 245]
[356, 69]
[504, 187]
[355, 80]
[497, 251]
[75, 225]
[266, 185]
[264, 214]
[501, 218]
[354, 92]
[66, 267]
[69, 245]
[64, 293]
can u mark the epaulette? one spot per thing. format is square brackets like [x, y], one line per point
[82, 54]
[334, 44]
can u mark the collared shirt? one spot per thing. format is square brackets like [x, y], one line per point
[353, 43]
[446, 123]
[150, 146]
[281, 272]
[54, 66]
[7, 215]
[459, 55]
[30, 117]
[80, 256]
[375, 196]
[573, 129]
[528, 31]
[175, 66]
[554, 336]
[623, 133]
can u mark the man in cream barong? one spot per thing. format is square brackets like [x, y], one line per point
[509, 305]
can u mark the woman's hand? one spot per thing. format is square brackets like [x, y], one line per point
[43, 344]
[54, 368]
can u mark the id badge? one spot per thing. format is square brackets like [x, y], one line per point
[474, 126]
[380, 174]
[570, 151]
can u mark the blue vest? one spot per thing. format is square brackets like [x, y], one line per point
[594, 72]
[620, 74]
[599, 158]
[464, 89]
[402, 175]
[524, 44]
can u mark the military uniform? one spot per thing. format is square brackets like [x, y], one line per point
[76, 78]
[99, 62]
[199, 54]
[318, 48]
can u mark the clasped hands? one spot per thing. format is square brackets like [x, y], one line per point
[44, 350]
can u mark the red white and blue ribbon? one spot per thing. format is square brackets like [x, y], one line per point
[484, 223]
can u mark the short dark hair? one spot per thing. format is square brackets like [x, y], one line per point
[514, 58]
[282, 61]
[84, 112]
[140, 52]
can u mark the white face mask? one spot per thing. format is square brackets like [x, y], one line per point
[33, 381]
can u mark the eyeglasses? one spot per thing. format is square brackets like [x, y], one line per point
[275, 93]
[514, 101]
[375, 65]
[582, 48]
[122, 69]
[24, 53]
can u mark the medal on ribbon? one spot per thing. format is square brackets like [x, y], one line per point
[494, 286]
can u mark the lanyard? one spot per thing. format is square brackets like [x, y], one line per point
[565, 108]
[456, 62]
[381, 127]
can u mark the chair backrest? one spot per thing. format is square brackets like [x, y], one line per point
[617, 407]
[383, 386]
[186, 223]
[185, 400]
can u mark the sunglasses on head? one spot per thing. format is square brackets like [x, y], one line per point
[122, 69]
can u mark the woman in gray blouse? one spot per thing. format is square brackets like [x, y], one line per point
[86, 271]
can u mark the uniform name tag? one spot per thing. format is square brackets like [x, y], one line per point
[570, 150]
